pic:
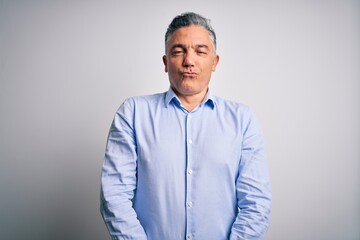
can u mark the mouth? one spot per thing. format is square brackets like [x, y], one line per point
[189, 74]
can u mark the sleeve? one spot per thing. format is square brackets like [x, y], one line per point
[118, 179]
[252, 186]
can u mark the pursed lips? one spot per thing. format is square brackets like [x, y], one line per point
[189, 74]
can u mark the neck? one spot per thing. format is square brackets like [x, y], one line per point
[190, 102]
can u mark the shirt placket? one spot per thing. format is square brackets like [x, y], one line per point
[189, 204]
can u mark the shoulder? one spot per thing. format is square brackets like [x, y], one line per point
[226, 105]
[142, 101]
[145, 98]
[241, 114]
[140, 104]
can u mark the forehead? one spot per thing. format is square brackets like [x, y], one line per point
[192, 34]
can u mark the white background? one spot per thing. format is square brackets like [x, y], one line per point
[66, 66]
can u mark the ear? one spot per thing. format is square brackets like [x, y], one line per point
[215, 62]
[165, 62]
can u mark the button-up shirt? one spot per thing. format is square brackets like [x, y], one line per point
[171, 174]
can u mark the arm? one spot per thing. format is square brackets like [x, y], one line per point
[252, 187]
[118, 179]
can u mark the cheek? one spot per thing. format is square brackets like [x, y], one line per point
[172, 67]
[212, 67]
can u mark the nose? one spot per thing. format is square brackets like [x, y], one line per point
[189, 60]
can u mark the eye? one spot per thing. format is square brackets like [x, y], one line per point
[202, 51]
[177, 52]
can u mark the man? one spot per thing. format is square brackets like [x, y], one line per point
[185, 164]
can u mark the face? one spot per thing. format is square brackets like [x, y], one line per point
[189, 61]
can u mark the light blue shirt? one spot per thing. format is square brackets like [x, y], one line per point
[171, 174]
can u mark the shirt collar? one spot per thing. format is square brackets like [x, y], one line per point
[209, 99]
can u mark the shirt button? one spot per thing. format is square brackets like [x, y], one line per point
[190, 204]
[190, 171]
[190, 141]
[189, 236]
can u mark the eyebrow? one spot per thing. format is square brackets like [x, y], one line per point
[183, 46]
[177, 46]
[202, 46]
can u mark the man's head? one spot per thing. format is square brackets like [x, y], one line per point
[190, 55]
[187, 19]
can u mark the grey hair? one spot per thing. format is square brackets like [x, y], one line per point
[187, 19]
